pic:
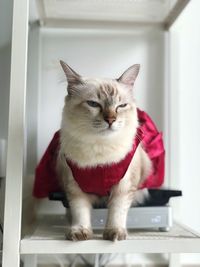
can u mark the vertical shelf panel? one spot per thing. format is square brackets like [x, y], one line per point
[15, 154]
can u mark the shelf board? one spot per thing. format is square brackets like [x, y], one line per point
[47, 236]
[61, 13]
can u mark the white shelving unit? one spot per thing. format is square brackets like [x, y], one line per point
[47, 236]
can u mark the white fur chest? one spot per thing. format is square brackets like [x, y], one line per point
[91, 152]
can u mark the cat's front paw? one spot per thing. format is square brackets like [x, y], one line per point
[115, 234]
[78, 233]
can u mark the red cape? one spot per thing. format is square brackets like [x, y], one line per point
[46, 180]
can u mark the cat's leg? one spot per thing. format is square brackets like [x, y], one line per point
[122, 196]
[80, 203]
[120, 201]
[80, 208]
[118, 207]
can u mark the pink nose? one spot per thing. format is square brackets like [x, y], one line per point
[110, 120]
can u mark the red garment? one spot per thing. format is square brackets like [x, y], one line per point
[100, 179]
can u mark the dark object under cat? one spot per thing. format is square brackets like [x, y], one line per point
[155, 197]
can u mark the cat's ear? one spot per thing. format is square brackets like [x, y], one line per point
[71, 75]
[130, 75]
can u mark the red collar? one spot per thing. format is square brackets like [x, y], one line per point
[100, 179]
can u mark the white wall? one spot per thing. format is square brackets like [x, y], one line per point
[4, 89]
[5, 21]
[4, 106]
[185, 132]
[187, 29]
[5, 57]
[33, 74]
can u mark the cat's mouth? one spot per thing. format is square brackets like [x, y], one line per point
[110, 128]
[107, 128]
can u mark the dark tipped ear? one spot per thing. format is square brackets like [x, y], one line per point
[71, 75]
[130, 75]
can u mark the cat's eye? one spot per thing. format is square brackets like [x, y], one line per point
[93, 104]
[122, 105]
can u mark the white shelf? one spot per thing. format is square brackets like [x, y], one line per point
[61, 13]
[48, 237]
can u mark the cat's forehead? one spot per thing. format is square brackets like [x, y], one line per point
[105, 89]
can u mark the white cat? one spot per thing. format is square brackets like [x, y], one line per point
[97, 138]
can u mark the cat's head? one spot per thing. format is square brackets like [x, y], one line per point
[99, 106]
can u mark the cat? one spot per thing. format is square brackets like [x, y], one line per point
[98, 129]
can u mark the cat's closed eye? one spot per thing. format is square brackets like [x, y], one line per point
[122, 105]
[93, 104]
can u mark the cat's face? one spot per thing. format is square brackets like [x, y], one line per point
[99, 106]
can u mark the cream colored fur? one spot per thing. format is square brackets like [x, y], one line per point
[87, 140]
